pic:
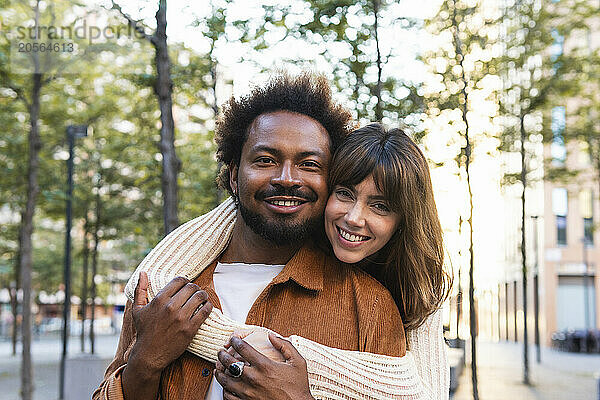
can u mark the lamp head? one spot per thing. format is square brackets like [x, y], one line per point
[77, 131]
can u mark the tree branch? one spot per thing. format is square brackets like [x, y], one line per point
[19, 91]
[137, 25]
[49, 79]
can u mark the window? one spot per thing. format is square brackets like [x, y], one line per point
[559, 201]
[560, 209]
[585, 157]
[557, 148]
[588, 231]
[585, 206]
[561, 230]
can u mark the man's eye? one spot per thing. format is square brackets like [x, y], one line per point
[264, 160]
[310, 164]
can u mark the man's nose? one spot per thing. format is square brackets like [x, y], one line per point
[287, 176]
[354, 216]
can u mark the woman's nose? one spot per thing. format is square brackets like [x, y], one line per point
[354, 216]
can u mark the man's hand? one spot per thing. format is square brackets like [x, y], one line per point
[263, 378]
[167, 325]
[164, 328]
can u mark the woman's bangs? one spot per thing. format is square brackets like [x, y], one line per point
[351, 166]
[388, 177]
[361, 157]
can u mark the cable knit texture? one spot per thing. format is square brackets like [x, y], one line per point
[333, 373]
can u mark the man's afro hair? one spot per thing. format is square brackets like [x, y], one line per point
[307, 93]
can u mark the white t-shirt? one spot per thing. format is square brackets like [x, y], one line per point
[238, 286]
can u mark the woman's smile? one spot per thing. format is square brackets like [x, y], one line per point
[353, 239]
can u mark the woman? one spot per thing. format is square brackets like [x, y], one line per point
[388, 169]
[381, 215]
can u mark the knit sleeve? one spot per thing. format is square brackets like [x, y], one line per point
[333, 373]
[341, 374]
[426, 343]
[338, 374]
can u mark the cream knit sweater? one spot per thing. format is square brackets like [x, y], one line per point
[333, 374]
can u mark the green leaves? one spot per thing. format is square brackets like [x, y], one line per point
[363, 67]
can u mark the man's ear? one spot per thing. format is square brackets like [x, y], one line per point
[233, 174]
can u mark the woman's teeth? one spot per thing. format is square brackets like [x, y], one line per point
[350, 237]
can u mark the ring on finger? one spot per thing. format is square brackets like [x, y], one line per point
[197, 309]
[236, 369]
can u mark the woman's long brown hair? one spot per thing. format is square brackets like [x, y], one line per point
[411, 264]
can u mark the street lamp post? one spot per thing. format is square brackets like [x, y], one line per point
[73, 132]
[536, 291]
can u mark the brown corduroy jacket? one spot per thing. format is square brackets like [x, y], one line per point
[314, 296]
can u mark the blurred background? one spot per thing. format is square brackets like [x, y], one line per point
[107, 115]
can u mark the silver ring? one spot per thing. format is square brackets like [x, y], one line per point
[197, 310]
[236, 369]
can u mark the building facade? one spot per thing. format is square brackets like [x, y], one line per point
[562, 215]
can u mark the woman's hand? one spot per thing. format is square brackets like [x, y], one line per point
[262, 377]
[259, 340]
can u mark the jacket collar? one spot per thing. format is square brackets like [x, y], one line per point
[305, 268]
[206, 283]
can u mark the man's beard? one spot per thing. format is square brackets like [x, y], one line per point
[277, 230]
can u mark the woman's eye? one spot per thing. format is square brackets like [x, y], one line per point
[343, 193]
[381, 207]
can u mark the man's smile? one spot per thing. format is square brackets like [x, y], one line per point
[285, 204]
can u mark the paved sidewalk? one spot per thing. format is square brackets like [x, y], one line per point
[46, 353]
[560, 376]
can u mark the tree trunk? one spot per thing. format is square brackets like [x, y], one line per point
[506, 309]
[26, 228]
[164, 87]
[499, 312]
[84, 283]
[215, 108]
[14, 309]
[14, 300]
[472, 311]
[379, 105]
[597, 160]
[467, 149]
[26, 250]
[95, 269]
[459, 299]
[213, 77]
[459, 295]
[524, 253]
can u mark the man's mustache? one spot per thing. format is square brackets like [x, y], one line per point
[290, 192]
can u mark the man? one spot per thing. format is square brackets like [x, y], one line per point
[276, 144]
